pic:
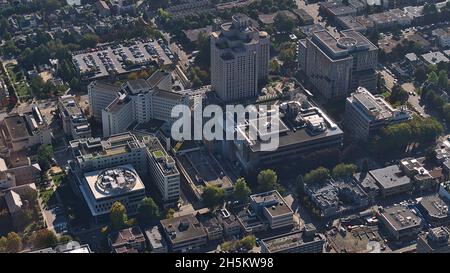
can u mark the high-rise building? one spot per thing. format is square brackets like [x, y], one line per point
[337, 66]
[239, 59]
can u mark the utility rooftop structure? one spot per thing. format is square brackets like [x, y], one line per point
[435, 210]
[74, 122]
[102, 188]
[274, 209]
[366, 113]
[336, 66]
[184, 233]
[239, 59]
[299, 127]
[434, 241]
[400, 222]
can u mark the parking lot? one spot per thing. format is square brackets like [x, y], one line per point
[121, 58]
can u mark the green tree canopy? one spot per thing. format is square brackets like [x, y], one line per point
[241, 191]
[283, 22]
[118, 216]
[44, 238]
[13, 242]
[268, 181]
[213, 196]
[148, 211]
[343, 170]
[318, 175]
[44, 156]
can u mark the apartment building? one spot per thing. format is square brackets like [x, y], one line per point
[74, 122]
[273, 208]
[337, 66]
[239, 59]
[366, 114]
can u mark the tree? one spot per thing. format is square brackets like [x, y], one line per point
[248, 242]
[44, 238]
[365, 166]
[241, 191]
[300, 185]
[268, 180]
[44, 156]
[170, 213]
[118, 216]
[344, 170]
[13, 242]
[157, 4]
[420, 74]
[89, 40]
[283, 23]
[432, 77]
[148, 211]
[64, 239]
[430, 156]
[398, 94]
[318, 175]
[213, 196]
[443, 79]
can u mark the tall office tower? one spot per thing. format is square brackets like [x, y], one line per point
[338, 66]
[239, 59]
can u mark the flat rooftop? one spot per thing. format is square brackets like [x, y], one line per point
[272, 202]
[183, 228]
[400, 217]
[17, 126]
[289, 241]
[435, 206]
[390, 177]
[113, 181]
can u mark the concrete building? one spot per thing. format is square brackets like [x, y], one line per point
[296, 242]
[304, 17]
[100, 95]
[15, 204]
[239, 59]
[301, 128]
[337, 66]
[164, 172]
[273, 208]
[391, 180]
[433, 58]
[230, 224]
[156, 242]
[366, 114]
[184, 233]
[22, 131]
[128, 240]
[434, 241]
[336, 197]
[140, 101]
[435, 210]
[74, 122]
[350, 22]
[101, 189]
[443, 36]
[400, 222]
[91, 154]
[13, 176]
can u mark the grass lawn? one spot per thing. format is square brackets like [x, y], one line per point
[23, 91]
[57, 179]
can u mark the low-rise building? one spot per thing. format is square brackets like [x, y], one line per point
[391, 180]
[101, 189]
[129, 240]
[273, 208]
[230, 224]
[296, 242]
[433, 58]
[304, 17]
[22, 131]
[212, 226]
[437, 240]
[435, 210]
[184, 233]
[400, 222]
[74, 122]
[156, 242]
[366, 114]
